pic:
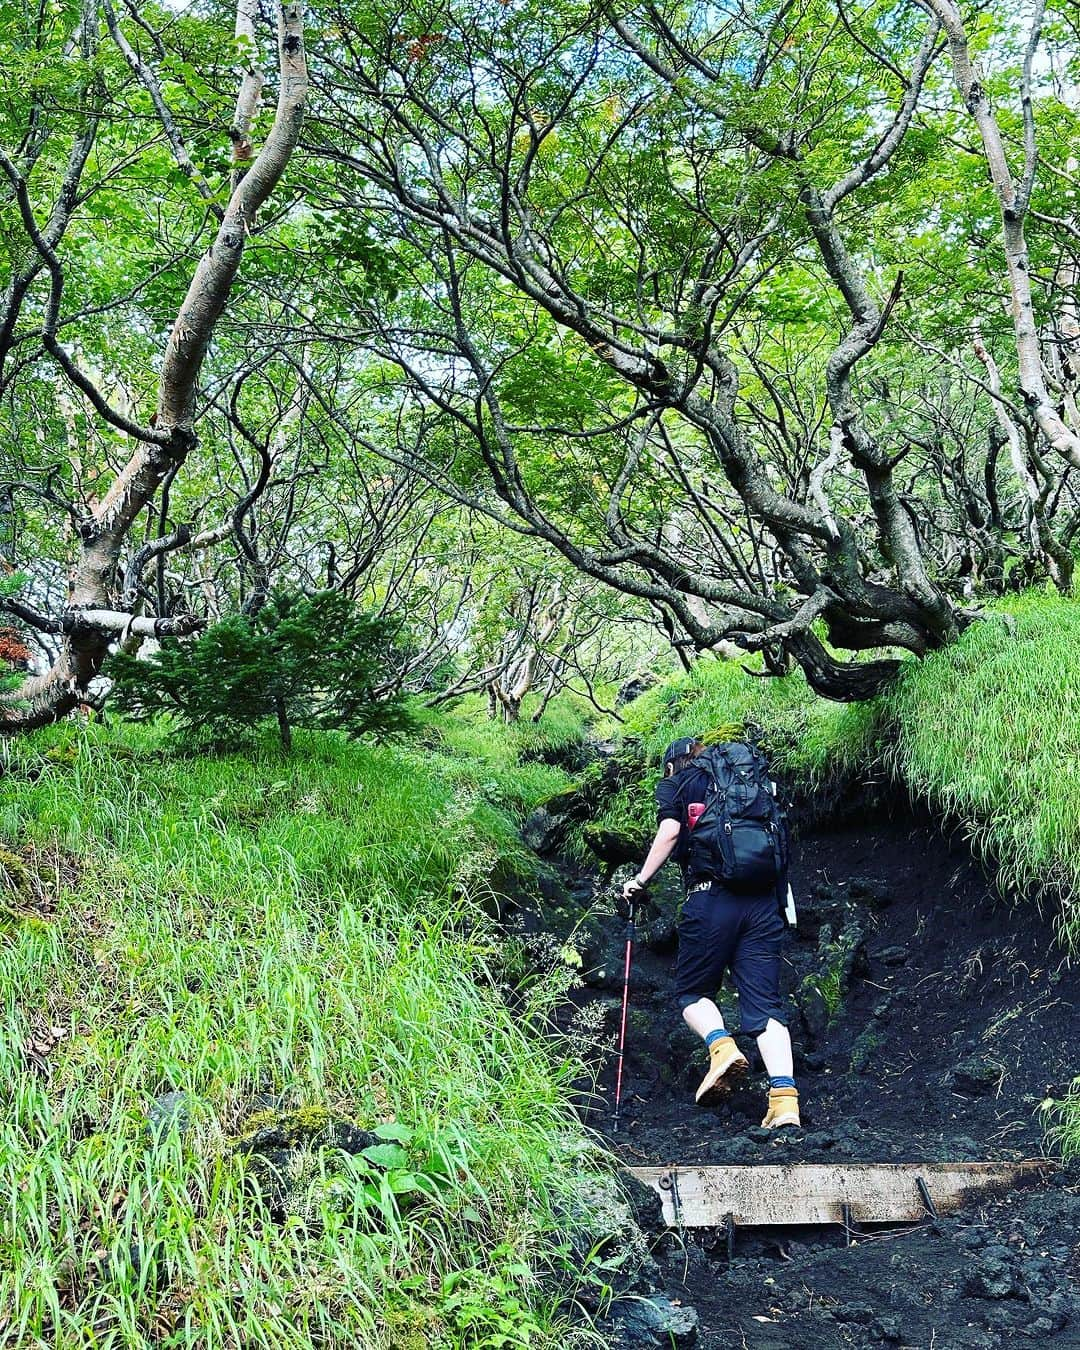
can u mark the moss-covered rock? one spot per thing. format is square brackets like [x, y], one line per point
[278, 1146]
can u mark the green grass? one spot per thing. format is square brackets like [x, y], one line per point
[1062, 1119]
[989, 731]
[308, 928]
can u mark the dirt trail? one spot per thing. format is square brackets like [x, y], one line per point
[956, 1018]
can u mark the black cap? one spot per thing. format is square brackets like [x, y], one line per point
[677, 749]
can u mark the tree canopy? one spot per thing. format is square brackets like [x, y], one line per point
[573, 338]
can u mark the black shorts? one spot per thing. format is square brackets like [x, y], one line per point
[720, 931]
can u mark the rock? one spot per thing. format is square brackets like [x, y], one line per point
[859, 1313]
[886, 1329]
[992, 1277]
[896, 955]
[646, 1207]
[276, 1142]
[634, 687]
[977, 1076]
[612, 847]
[813, 1009]
[603, 1221]
[864, 1051]
[307, 1127]
[653, 1322]
[866, 888]
[543, 832]
[661, 935]
[171, 1111]
[547, 828]
[738, 1150]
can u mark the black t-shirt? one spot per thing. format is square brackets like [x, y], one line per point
[674, 794]
[673, 798]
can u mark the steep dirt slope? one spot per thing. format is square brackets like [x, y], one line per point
[930, 1021]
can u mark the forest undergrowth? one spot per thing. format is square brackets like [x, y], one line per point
[195, 946]
[192, 944]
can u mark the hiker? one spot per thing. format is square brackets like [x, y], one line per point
[733, 924]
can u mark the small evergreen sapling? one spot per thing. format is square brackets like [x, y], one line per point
[304, 660]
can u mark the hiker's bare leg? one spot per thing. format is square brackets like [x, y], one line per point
[775, 1046]
[703, 1016]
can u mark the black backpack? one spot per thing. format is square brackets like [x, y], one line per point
[741, 837]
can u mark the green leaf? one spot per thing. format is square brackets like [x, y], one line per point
[392, 1130]
[386, 1155]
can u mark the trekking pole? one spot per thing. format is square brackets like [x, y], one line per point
[622, 1026]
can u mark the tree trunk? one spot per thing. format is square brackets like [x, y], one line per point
[163, 447]
[284, 729]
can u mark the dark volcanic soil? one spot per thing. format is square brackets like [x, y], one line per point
[958, 1016]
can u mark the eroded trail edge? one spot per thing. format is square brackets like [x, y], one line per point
[931, 1022]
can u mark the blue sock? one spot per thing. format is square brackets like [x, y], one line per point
[715, 1035]
[782, 1080]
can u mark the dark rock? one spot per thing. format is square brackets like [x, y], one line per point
[645, 1205]
[642, 1323]
[739, 1149]
[870, 889]
[307, 1127]
[992, 1278]
[977, 1076]
[864, 1052]
[171, 1111]
[813, 1010]
[858, 1313]
[634, 687]
[544, 832]
[896, 955]
[603, 1220]
[886, 1329]
[613, 848]
[275, 1142]
[661, 933]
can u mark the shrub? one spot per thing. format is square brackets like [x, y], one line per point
[306, 661]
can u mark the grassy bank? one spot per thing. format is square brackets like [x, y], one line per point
[300, 934]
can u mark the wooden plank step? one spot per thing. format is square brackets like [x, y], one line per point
[706, 1197]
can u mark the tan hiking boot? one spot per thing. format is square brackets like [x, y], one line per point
[783, 1108]
[726, 1063]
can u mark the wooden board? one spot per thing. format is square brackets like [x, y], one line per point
[704, 1197]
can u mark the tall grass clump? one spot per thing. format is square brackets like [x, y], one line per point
[294, 938]
[516, 764]
[1062, 1119]
[989, 730]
